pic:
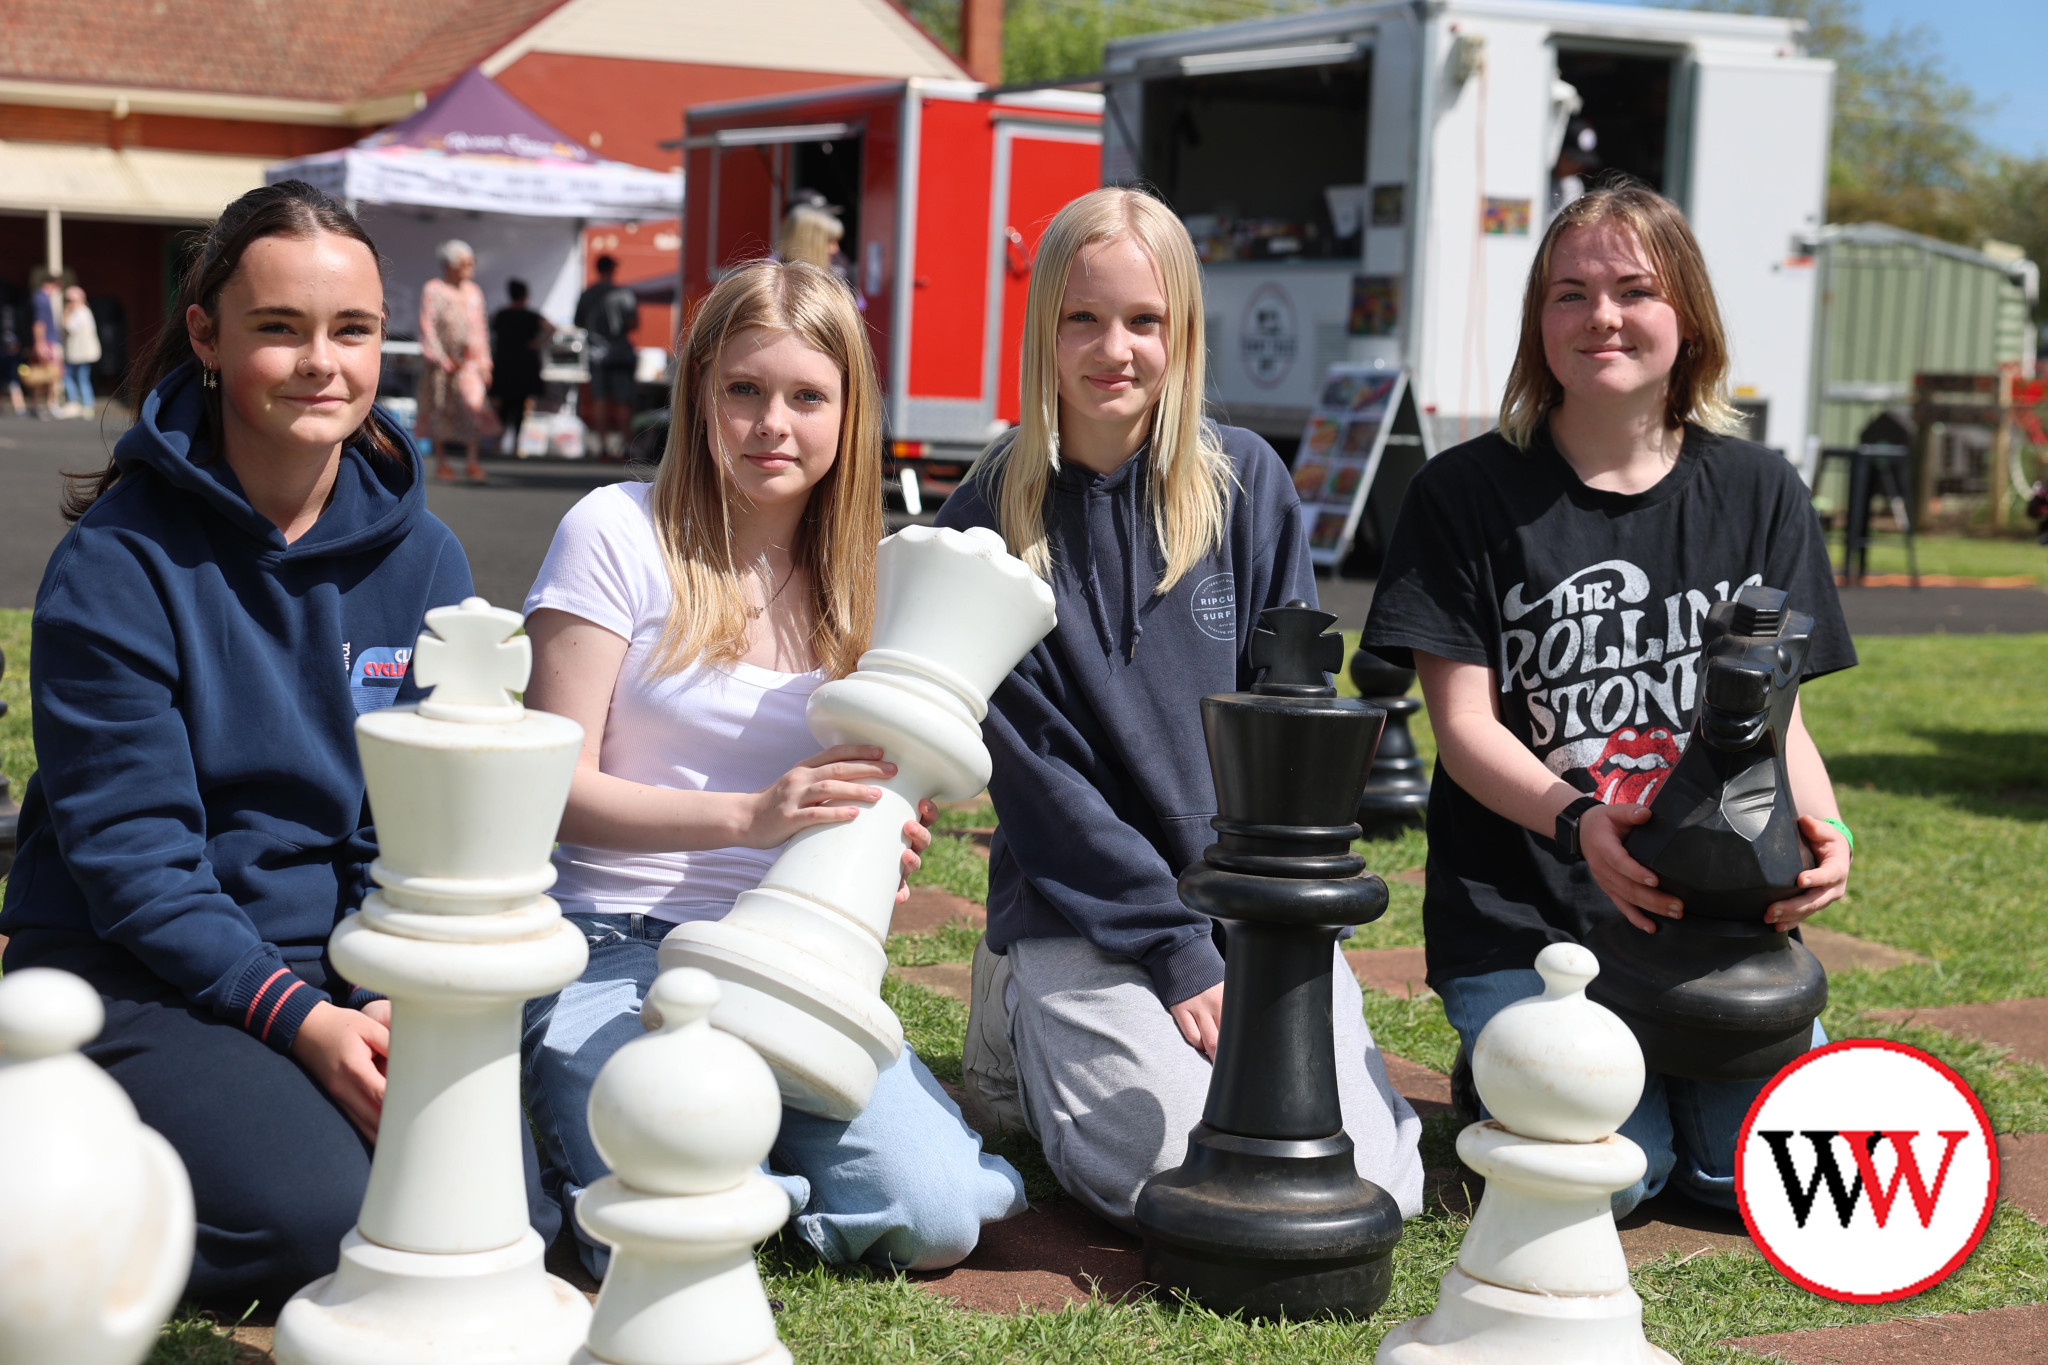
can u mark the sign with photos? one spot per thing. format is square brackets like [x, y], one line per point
[1360, 411]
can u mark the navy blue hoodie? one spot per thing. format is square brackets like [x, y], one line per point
[1101, 783]
[198, 807]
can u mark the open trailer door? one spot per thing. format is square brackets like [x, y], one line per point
[1038, 167]
[1756, 194]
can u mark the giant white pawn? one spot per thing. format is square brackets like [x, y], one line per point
[96, 1209]
[684, 1118]
[1541, 1278]
[467, 790]
[800, 957]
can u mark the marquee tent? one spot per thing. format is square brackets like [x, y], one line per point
[477, 164]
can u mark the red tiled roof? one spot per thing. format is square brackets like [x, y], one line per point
[340, 50]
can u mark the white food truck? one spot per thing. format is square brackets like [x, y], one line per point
[1368, 185]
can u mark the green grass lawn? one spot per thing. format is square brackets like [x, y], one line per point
[1939, 748]
[1965, 556]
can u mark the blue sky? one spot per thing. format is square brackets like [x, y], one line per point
[2000, 47]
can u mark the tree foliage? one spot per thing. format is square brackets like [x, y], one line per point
[1904, 151]
[1046, 39]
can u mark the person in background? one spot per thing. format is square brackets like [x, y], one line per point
[10, 348]
[517, 335]
[455, 355]
[198, 827]
[1548, 582]
[81, 353]
[810, 232]
[608, 313]
[46, 344]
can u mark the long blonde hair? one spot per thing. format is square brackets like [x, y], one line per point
[842, 522]
[1190, 473]
[1697, 389]
[809, 234]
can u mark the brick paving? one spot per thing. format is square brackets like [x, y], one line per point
[1997, 1336]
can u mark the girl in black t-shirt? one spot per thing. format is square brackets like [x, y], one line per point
[1549, 582]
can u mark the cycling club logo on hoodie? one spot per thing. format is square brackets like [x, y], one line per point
[374, 679]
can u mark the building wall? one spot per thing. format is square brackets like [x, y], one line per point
[127, 261]
[232, 137]
[626, 108]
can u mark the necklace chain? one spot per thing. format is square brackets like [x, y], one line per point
[754, 613]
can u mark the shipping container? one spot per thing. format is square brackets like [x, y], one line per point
[944, 188]
[1368, 184]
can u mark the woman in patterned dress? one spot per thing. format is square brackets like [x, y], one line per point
[455, 368]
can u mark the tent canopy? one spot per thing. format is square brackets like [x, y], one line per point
[475, 147]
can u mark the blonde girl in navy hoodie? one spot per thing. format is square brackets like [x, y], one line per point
[244, 578]
[1163, 536]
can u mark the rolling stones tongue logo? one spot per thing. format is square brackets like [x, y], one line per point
[1633, 765]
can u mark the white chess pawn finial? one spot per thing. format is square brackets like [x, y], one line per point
[467, 790]
[96, 1212]
[684, 1117]
[1541, 1278]
[800, 957]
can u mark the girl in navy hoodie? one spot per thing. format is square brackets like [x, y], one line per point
[245, 577]
[1163, 536]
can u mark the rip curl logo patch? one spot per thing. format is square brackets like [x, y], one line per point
[374, 680]
[1214, 605]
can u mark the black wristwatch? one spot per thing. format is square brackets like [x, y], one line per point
[1568, 828]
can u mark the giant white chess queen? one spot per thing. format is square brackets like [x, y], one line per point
[1541, 1278]
[800, 959]
[467, 790]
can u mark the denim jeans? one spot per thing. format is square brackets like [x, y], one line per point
[1686, 1128]
[78, 385]
[905, 1185]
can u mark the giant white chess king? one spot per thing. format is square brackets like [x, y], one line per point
[799, 959]
[467, 791]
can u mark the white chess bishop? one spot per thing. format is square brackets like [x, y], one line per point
[467, 790]
[96, 1209]
[799, 959]
[1541, 1278]
[684, 1117]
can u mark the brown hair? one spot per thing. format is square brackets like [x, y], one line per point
[290, 208]
[1191, 477]
[1696, 389]
[842, 521]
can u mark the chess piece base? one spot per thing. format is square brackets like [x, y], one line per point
[826, 1036]
[1270, 1228]
[1476, 1323]
[1730, 1002]
[385, 1307]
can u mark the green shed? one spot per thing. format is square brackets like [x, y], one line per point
[1894, 304]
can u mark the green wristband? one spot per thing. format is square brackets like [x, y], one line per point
[1831, 820]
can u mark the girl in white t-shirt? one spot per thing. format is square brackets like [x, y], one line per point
[685, 624]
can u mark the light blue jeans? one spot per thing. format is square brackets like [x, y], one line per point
[905, 1185]
[1686, 1128]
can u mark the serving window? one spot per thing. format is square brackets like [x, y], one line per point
[1246, 158]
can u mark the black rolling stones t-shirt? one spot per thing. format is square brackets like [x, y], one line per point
[1588, 607]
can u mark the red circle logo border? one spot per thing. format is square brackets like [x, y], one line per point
[1990, 1198]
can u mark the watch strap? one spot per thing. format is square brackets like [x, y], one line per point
[1568, 828]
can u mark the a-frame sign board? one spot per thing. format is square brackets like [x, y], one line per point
[1365, 437]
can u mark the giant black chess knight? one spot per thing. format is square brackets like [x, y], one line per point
[1720, 994]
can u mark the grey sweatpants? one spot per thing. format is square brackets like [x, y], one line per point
[1111, 1089]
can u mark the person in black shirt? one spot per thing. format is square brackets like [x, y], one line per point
[1548, 581]
[517, 335]
[608, 312]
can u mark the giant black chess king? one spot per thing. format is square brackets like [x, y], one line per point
[1268, 1215]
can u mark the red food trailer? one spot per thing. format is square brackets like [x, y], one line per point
[944, 188]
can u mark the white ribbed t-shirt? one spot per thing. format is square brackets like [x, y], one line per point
[725, 728]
